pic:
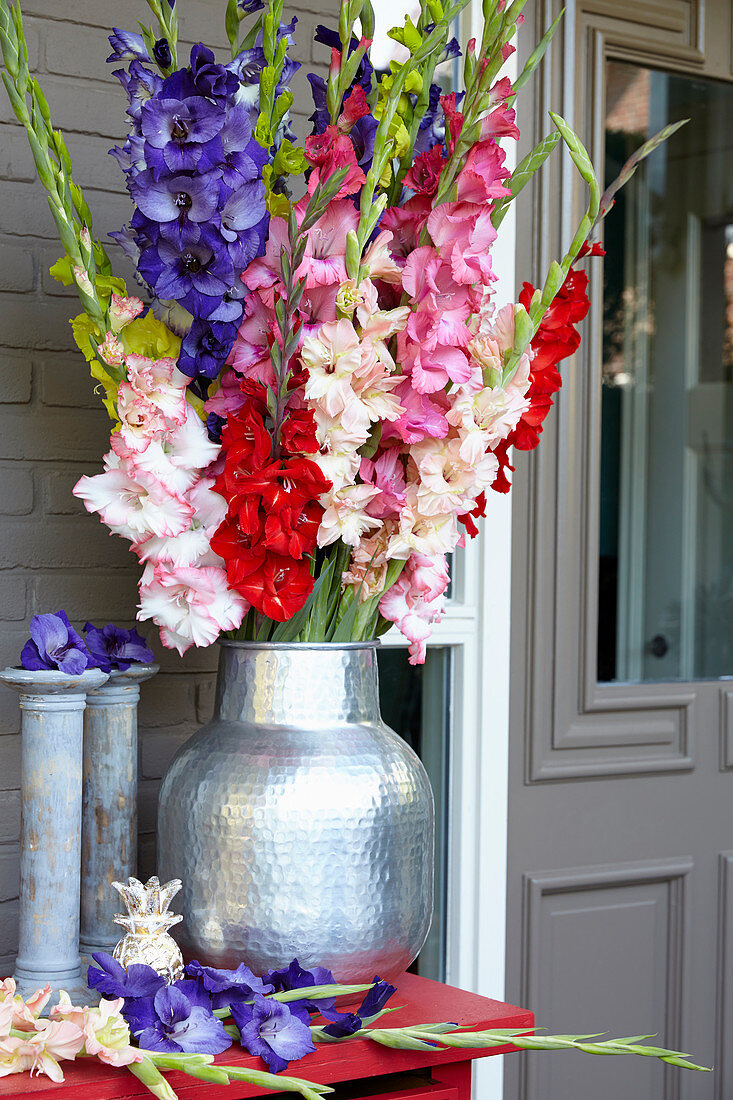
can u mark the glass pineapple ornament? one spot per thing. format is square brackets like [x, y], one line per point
[146, 923]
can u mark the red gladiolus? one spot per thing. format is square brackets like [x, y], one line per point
[298, 434]
[277, 587]
[556, 339]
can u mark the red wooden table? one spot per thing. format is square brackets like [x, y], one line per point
[359, 1069]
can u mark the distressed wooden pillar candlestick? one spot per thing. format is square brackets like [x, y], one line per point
[52, 708]
[109, 813]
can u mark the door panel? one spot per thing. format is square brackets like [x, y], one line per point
[620, 904]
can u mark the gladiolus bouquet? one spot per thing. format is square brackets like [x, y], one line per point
[310, 409]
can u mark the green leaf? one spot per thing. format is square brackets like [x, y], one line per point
[289, 631]
[523, 173]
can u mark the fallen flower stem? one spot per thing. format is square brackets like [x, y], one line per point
[435, 1037]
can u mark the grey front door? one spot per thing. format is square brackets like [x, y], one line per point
[620, 905]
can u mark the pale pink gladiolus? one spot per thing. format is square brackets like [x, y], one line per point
[345, 516]
[105, 1031]
[24, 1012]
[378, 261]
[331, 356]
[192, 546]
[418, 533]
[133, 505]
[160, 381]
[192, 606]
[41, 1050]
[123, 310]
[112, 351]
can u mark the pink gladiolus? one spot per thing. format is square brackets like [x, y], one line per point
[324, 262]
[123, 310]
[192, 606]
[415, 603]
[423, 416]
[388, 474]
[133, 504]
[41, 1050]
[24, 1013]
[105, 1032]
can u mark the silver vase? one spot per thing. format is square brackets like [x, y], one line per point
[300, 824]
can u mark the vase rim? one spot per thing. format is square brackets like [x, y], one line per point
[294, 646]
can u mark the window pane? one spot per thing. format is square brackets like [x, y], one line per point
[666, 528]
[415, 702]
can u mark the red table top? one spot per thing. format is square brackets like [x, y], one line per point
[422, 1001]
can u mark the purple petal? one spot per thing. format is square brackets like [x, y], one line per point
[171, 1005]
[31, 659]
[49, 632]
[202, 1033]
[155, 1038]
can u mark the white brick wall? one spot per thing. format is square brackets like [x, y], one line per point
[52, 427]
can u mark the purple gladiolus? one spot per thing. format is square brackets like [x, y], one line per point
[211, 79]
[112, 980]
[228, 987]
[162, 53]
[243, 210]
[205, 348]
[270, 1030]
[348, 1023]
[54, 644]
[376, 998]
[171, 1023]
[179, 128]
[193, 266]
[127, 46]
[184, 197]
[113, 647]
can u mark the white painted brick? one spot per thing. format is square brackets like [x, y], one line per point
[15, 377]
[80, 52]
[16, 491]
[13, 596]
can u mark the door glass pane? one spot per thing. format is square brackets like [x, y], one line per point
[666, 525]
[415, 702]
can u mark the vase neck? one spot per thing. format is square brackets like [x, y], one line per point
[297, 685]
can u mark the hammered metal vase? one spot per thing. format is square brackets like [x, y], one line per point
[299, 823]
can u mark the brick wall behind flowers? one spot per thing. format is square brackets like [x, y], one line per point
[52, 425]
